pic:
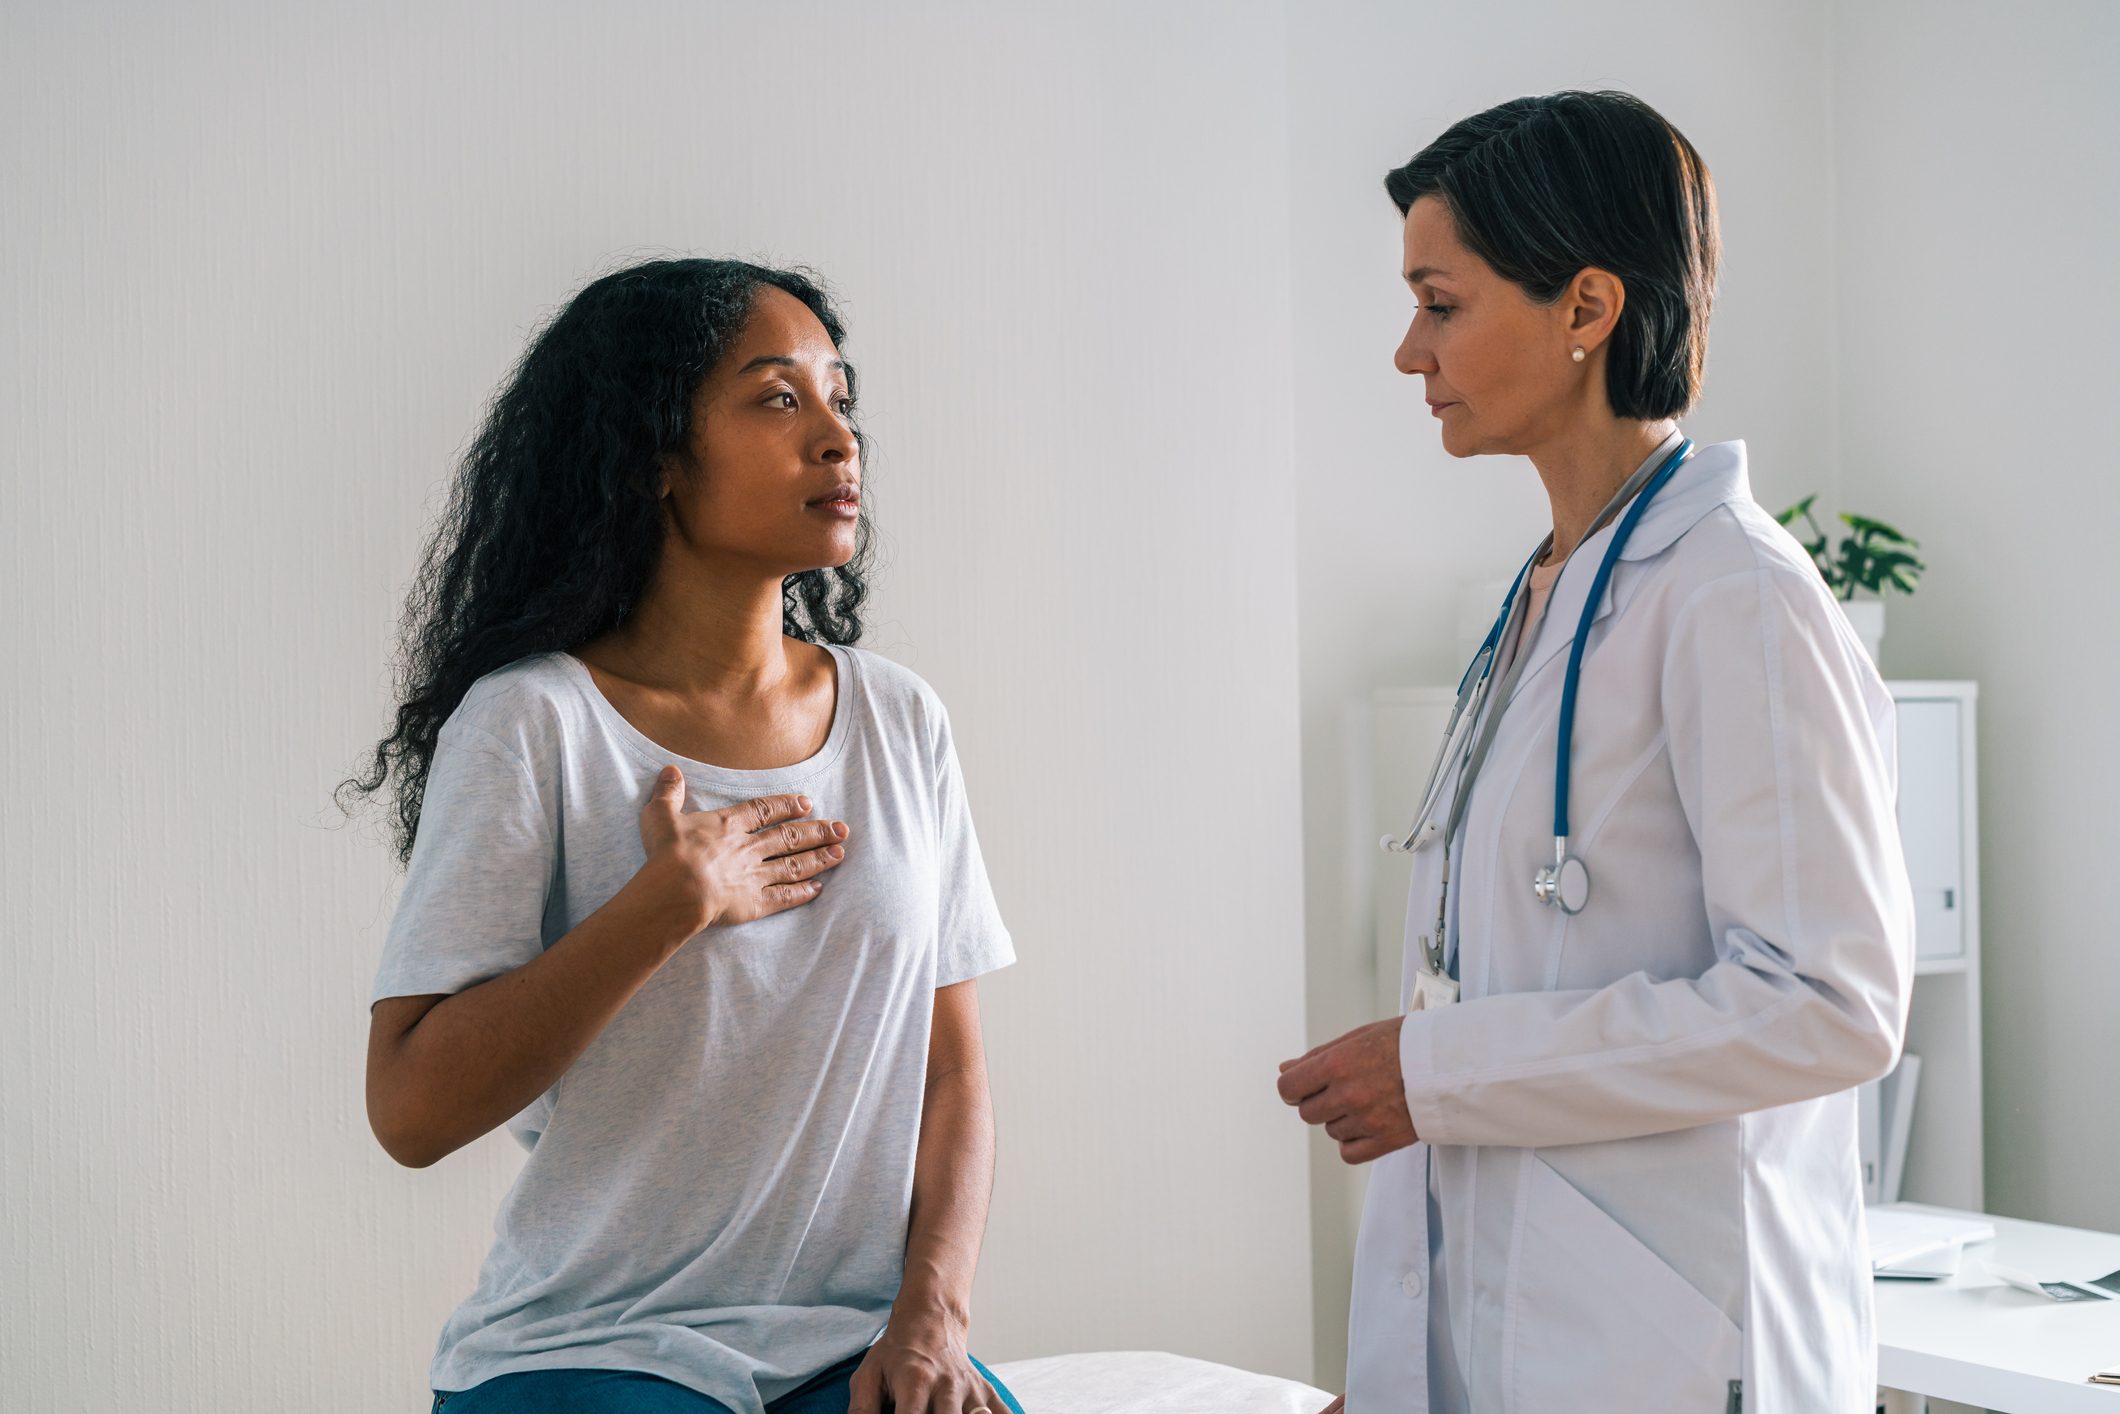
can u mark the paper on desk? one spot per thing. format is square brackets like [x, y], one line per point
[1898, 1235]
[1929, 1266]
[2103, 1288]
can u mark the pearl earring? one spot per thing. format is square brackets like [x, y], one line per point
[1578, 354]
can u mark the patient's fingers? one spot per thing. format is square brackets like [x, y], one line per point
[770, 810]
[916, 1397]
[795, 836]
[1338, 1406]
[794, 868]
[779, 898]
[865, 1391]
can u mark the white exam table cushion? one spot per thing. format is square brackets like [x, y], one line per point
[1150, 1382]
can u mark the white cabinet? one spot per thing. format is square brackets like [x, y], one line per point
[1939, 827]
[1932, 821]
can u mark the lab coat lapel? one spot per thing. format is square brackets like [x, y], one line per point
[1712, 477]
[1564, 611]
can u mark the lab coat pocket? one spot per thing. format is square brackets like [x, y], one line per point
[1599, 1324]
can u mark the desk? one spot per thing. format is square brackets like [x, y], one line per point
[1972, 1339]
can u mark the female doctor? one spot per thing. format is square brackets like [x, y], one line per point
[1659, 923]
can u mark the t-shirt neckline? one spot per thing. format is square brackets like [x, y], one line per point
[768, 781]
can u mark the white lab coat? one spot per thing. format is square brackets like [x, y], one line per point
[1640, 1120]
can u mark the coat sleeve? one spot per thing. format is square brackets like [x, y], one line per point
[1781, 743]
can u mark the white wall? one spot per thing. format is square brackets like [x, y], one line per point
[1390, 529]
[1978, 152]
[263, 263]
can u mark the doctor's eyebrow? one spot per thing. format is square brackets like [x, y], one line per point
[1415, 277]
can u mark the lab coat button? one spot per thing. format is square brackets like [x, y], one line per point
[1411, 1286]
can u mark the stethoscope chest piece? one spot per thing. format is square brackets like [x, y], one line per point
[1565, 884]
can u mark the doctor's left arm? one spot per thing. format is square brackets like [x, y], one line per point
[1782, 757]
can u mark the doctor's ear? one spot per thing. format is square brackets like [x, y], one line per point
[1590, 308]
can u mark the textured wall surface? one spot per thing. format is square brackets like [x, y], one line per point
[264, 263]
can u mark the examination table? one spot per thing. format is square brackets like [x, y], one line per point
[1151, 1382]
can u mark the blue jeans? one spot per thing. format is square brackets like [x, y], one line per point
[631, 1392]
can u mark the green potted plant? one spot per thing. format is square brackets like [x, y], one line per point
[1871, 558]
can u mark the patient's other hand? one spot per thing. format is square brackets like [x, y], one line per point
[1353, 1086]
[1338, 1406]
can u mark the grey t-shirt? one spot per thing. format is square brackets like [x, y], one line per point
[717, 1191]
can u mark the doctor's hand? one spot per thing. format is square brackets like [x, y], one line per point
[1353, 1086]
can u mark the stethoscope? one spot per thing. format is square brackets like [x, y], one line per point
[1565, 883]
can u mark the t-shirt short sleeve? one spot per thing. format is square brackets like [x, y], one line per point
[972, 939]
[475, 890]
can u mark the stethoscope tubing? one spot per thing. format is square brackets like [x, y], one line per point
[1565, 750]
[1471, 691]
[1478, 677]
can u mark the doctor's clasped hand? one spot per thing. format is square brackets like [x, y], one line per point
[1354, 1088]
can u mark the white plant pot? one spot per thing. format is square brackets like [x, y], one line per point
[1866, 617]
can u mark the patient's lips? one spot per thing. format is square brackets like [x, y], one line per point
[843, 500]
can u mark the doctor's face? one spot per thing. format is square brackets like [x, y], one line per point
[1495, 364]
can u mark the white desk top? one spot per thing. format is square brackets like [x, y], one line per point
[1975, 1340]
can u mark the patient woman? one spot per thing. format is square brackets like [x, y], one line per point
[694, 904]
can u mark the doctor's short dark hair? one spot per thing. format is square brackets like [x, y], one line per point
[1543, 188]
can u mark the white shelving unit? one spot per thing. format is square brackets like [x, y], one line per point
[1938, 822]
[1939, 825]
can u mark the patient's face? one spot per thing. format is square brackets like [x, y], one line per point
[1495, 364]
[772, 449]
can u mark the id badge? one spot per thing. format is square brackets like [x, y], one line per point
[1432, 990]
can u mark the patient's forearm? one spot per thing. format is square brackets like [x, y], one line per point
[953, 1181]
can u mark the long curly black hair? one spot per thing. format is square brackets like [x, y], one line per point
[554, 526]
